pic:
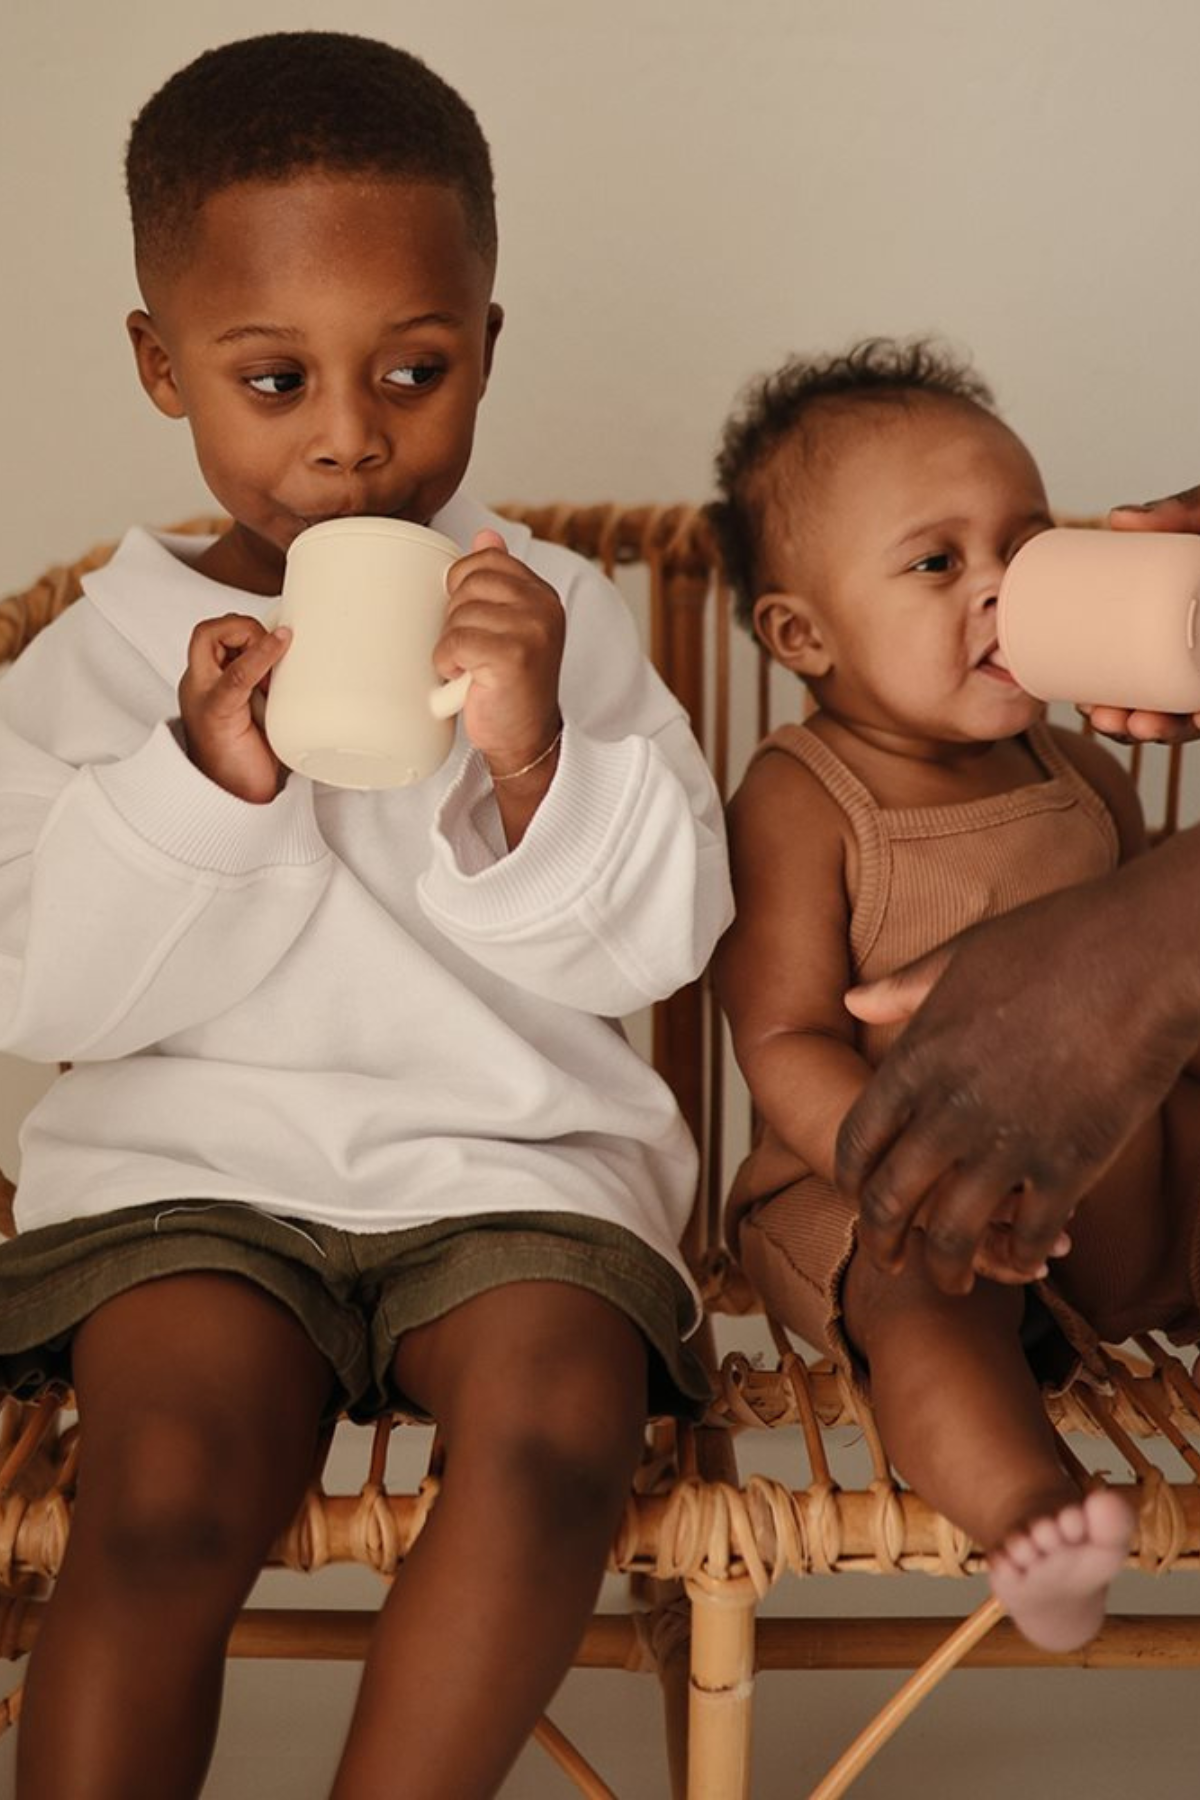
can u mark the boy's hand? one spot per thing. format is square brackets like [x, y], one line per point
[229, 660]
[505, 626]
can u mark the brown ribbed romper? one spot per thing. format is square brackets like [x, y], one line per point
[924, 874]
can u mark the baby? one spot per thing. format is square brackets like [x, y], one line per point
[871, 503]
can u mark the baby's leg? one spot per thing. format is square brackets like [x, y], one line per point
[199, 1400]
[540, 1391]
[964, 1423]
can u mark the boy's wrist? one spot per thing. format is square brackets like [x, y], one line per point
[548, 755]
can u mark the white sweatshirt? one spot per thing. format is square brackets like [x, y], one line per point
[353, 1007]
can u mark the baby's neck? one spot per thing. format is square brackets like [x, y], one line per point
[902, 771]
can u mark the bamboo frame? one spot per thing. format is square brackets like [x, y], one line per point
[702, 1543]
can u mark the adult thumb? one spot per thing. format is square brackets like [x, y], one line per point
[896, 997]
[1176, 512]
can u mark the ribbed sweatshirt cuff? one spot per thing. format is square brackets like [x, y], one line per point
[166, 801]
[571, 838]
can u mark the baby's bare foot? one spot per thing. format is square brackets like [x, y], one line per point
[1054, 1577]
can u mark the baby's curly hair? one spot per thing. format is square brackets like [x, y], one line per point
[782, 410]
[264, 108]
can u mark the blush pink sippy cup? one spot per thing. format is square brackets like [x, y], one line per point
[1104, 618]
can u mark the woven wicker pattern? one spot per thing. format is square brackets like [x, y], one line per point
[702, 1543]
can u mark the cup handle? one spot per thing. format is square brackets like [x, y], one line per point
[450, 698]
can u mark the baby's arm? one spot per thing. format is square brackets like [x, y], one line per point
[1103, 772]
[783, 966]
[1101, 768]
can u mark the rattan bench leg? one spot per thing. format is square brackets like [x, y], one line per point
[720, 1712]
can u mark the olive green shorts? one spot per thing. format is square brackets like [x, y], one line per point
[355, 1293]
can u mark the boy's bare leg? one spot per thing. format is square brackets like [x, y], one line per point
[199, 1400]
[963, 1421]
[540, 1391]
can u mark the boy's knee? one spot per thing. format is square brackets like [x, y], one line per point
[563, 1477]
[558, 1454]
[173, 1503]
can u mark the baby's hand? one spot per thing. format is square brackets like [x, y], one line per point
[505, 626]
[229, 660]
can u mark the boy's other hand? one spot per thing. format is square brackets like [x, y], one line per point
[1176, 512]
[505, 626]
[229, 660]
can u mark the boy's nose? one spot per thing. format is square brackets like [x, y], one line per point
[349, 438]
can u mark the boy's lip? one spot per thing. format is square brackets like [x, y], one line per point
[325, 514]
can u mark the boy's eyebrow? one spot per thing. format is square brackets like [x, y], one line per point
[292, 333]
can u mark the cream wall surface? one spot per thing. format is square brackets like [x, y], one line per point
[689, 189]
[688, 192]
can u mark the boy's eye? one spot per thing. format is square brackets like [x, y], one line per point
[414, 375]
[276, 382]
[937, 564]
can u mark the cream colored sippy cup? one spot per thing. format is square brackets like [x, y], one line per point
[1104, 618]
[354, 701]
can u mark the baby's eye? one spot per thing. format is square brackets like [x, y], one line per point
[414, 375]
[937, 564]
[276, 382]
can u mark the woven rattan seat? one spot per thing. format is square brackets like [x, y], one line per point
[702, 1541]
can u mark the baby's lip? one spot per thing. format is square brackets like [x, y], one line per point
[994, 655]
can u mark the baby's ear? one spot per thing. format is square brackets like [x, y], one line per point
[154, 364]
[793, 634]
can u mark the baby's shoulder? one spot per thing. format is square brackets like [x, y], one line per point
[1107, 776]
[783, 795]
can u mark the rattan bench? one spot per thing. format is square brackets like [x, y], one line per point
[701, 1542]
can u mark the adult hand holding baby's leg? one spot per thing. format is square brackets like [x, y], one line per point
[1038, 1043]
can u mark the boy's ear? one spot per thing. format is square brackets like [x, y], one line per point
[793, 634]
[495, 320]
[154, 365]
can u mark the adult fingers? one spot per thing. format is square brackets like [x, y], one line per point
[888, 1166]
[896, 997]
[1174, 512]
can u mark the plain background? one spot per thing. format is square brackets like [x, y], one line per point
[688, 192]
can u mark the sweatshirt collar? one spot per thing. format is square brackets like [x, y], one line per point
[153, 595]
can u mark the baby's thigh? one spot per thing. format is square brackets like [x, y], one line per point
[794, 1249]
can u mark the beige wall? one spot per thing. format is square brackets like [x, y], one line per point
[689, 189]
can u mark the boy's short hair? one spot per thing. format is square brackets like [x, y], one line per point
[265, 108]
[783, 411]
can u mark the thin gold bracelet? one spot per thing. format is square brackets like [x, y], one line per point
[514, 774]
